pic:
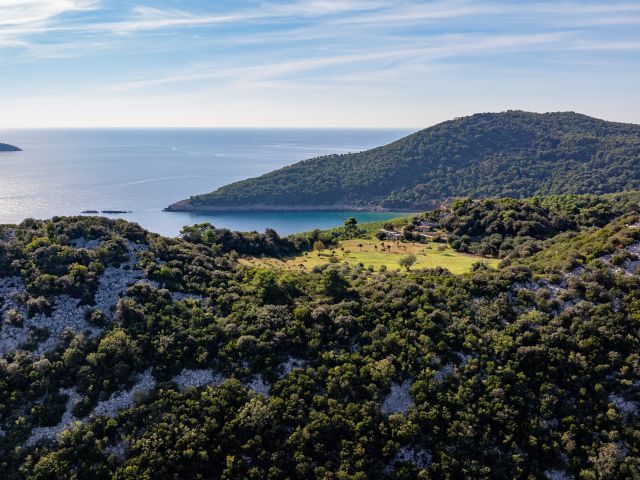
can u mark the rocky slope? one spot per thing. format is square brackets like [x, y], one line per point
[126, 355]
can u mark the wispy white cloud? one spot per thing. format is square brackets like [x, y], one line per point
[322, 7]
[250, 49]
[627, 46]
[444, 46]
[602, 21]
[583, 8]
[146, 18]
[419, 12]
[20, 19]
[29, 12]
[26, 19]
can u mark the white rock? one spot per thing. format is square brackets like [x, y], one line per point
[118, 450]
[68, 418]
[108, 408]
[259, 386]
[125, 399]
[444, 372]
[420, 458]
[85, 243]
[625, 407]
[399, 399]
[557, 475]
[291, 364]
[7, 234]
[66, 314]
[195, 378]
[464, 358]
[11, 337]
[180, 296]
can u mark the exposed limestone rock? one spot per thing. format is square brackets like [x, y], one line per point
[399, 399]
[7, 234]
[118, 451]
[180, 296]
[113, 283]
[558, 475]
[259, 386]
[444, 372]
[464, 358]
[107, 408]
[196, 378]
[291, 364]
[89, 244]
[125, 399]
[67, 314]
[625, 407]
[11, 336]
[419, 457]
[550, 423]
[68, 418]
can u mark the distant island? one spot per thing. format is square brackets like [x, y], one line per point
[108, 212]
[514, 153]
[5, 147]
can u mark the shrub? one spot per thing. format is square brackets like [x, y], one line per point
[38, 305]
[14, 318]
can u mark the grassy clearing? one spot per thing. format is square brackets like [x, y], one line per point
[372, 253]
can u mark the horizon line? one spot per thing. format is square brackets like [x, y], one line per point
[211, 128]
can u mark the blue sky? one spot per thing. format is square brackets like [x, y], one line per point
[312, 63]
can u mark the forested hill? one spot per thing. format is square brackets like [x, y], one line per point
[125, 355]
[514, 154]
[5, 147]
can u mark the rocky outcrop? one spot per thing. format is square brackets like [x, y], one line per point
[399, 399]
[67, 314]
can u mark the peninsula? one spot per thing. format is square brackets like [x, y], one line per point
[513, 153]
[5, 147]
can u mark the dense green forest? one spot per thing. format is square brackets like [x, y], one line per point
[494, 227]
[5, 147]
[509, 228]
[510, 154]
[126, 355]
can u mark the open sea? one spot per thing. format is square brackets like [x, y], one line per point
[63, 172]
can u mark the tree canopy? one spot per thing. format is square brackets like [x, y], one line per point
[509, 154]
[187, 363]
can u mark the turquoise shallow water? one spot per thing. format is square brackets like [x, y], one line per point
[63, 172]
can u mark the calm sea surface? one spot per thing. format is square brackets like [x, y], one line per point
[63, 172]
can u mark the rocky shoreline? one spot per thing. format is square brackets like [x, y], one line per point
[185, 206]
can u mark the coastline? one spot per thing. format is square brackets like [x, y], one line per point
[186, 207]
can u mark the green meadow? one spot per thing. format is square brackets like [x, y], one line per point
[376, 253]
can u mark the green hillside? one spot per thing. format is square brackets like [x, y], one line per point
[126, 355]
[514, 153]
